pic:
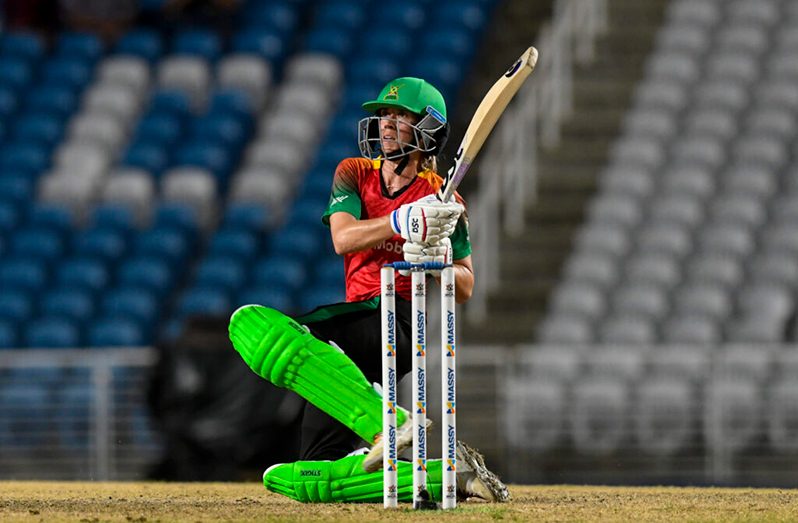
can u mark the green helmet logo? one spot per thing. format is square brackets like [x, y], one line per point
[412, 94]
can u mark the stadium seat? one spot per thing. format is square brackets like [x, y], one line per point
[539, 407]
[28, 158]
[197, 42]
[73, 426]
[205, 301]
[566, 328]
[733, 414]
[190, 75]
[23, 274]
[177, 216]
[15, 73]
[71, 72]
[644, 298]
[160, 127]
[169, 244]
[149, 272]
[282, 16]
[100, 242]
[16, 306]
[25, 45]
[83, 46]
[118, 100]
[245, 216]
[115, 332]
[316, 295]
[128, 70]
[220, 271]
[782, 415]
[579, 298]
[314, 68]
[194, 188]
[268, 296]
[599, 416]
[628, 329]
[52, 333]
[9, 338]
[266, 44]
[37, 244]
[133, 303]
[283, 272]
[685, 362]
[143, 43]
[249, 74]
[664, 416]
[71, 303]
[114, 216]
[83, 273]
[691, 330]
[99, 129]
[240, 244]
[303, 242]
[562, 363]
[133, 189]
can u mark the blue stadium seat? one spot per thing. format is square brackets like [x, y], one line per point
[197, 42]
[160, 127]
[15, 305]
[37, 244]
[444, 72]
[333, 151]
[26, 425]
[22, 44]
[113, 217]
[316, 295]
[74, 304]
[356, 93]
[232, 101]
[408, 16]
[9, 101]
[73, 424]
[171, 102]
[179, 216]
[169, 244]
[280, 16]
[221, 129]
[39, 128]
[317, 185]
[344, 130]
[247, 216]
[51, 332]
[276, 298]
[347, 14]
[401, 42]
[458, 13]
[269, 45]
[9, 216]
[452, 41]
[224, 272]
[207, 155]
[131, 302]
[9, 338]
[70, 72]
[15, 73]
[56, 99]
[83, 46]
[115, 332]
[205, 301]
[376, 69]
[329, 40]
[301, 241]
[104, 243]
[279, 272]
[240, 244]
[148, 272]
[151, 156]
[307, 212]
[22, 273]
[25, 158]
[49, 216]
[90, 274]
[144, 43]
[329, 270]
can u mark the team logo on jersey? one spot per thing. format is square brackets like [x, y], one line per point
[339, 199]
[393, 93]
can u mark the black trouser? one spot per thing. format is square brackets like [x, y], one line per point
[359, 335]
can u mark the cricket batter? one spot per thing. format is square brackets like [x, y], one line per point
[383, 208]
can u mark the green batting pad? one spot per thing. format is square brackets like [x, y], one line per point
[344, 481]
[283, 352]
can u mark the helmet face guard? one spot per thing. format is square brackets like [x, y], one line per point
[429, 136]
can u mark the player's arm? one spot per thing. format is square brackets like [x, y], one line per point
[463, 279]
[350, 234]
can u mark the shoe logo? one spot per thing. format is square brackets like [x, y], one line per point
[306, 473]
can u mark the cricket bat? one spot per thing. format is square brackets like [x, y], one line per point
[490, 109]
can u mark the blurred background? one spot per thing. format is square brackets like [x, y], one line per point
[633, 217]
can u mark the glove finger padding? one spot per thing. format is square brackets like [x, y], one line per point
[426, 221]
[440, 252]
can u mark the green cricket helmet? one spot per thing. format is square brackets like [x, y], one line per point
[411, 94]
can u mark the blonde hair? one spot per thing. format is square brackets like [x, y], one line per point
[429, 163]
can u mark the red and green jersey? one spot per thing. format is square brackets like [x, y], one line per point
[358, 189]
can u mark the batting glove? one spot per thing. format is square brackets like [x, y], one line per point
[440, 252]
[427, 220]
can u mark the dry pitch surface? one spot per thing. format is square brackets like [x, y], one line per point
[194, 502]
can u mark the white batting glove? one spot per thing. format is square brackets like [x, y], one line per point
[440, 252]
[427, 220]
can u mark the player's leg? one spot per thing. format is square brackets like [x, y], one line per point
[283, 352]
[344, 480]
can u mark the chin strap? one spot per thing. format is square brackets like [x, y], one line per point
[400, 166]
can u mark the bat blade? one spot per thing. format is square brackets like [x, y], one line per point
[485, 117]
